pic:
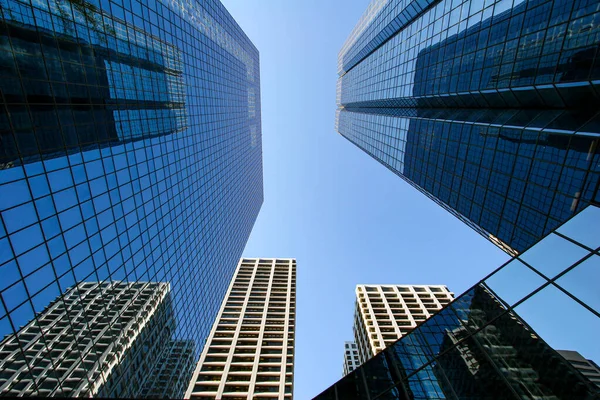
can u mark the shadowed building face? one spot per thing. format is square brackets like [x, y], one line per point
[81, 95]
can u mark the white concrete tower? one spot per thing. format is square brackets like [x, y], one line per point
[250, 350]
[384, 313]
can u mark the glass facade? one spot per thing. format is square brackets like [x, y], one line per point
[86, 94]
[130, 152]
[487, 107]
[497, 340]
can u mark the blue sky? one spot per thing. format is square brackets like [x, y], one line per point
[342, 215]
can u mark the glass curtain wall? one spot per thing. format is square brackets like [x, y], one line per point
[489, 108]
[130, 153]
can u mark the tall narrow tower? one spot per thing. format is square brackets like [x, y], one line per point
[250, 350]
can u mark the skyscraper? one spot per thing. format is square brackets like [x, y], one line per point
[350, 357]
[130, 151]
[250, 350]
[125, 326]
[385, 313]
[488, 108]
[496, 340]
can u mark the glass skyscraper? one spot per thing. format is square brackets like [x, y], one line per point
[490, 108]
[130, 153]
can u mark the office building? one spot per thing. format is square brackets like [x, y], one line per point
[350, 357]
[97, 339]
[250, 350]
[488, 108]
[385, 313]
[130, 151]
[588, 368]
[497, 339]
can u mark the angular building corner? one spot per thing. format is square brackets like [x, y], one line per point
[130, 154]
[498, 339]
[119, 322]
[385, 313]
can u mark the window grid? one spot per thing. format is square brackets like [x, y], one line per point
[130, 152]
[250, 350]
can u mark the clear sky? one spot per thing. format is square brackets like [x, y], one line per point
[345, 218]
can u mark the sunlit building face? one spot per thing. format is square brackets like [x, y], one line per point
[130, 151]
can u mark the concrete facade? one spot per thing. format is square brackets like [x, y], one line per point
[120, 328]
[250, 351]
[385, 313]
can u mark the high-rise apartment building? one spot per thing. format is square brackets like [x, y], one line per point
[496, 340]
[130, 151]
[351, 356]
[125, 326]
[250, 351]
[385, 313]
[488, 108]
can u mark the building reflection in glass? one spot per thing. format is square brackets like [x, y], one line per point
[130, 151]
[173, 371]
[513, 175]
[473, 54]
[475, 349]
[477, 65]
[64, 93]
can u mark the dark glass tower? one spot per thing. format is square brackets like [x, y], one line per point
[94, 94]
[488, 108]
[130, 151]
